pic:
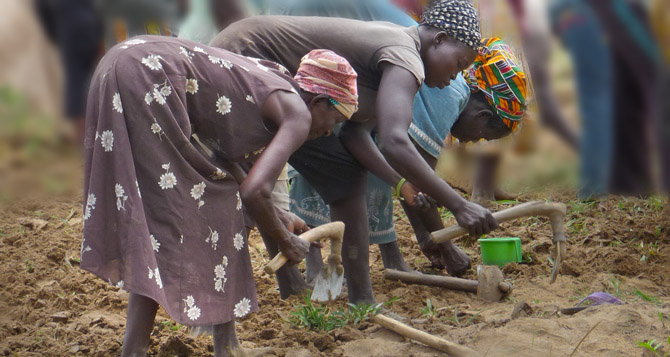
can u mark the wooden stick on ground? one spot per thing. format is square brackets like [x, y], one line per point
[437, 343]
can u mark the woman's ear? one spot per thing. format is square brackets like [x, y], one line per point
[485, 115]
[440, 37]
[319, 99]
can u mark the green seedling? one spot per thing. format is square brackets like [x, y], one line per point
[649, 298]
[322, 318]
[662, 318]
[649, 251]
[29, 266]
[429, 310]
[650, 345]
[169, 325]
[393, 299]
[615, 284]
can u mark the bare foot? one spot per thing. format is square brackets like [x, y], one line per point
[433, 252]
[502, 195]
[392, 257]
[454, 259]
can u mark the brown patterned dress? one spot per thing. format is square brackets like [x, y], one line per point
[160, 218]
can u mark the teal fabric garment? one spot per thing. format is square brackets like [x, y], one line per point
[198, 26]
[435, 111]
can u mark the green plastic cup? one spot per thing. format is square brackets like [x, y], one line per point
[500, 251]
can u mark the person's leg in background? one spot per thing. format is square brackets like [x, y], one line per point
[583, 36]
[636, 60]
[79, 36]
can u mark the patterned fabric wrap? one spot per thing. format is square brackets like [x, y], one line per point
[499, 75]
[325, 72]
[457, 18]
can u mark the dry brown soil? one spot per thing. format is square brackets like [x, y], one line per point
[49, 306]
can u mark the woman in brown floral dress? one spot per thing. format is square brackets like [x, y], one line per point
[163, 220]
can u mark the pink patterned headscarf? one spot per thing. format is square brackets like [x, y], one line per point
[325, 72]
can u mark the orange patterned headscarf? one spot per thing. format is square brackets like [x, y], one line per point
[325, 72]
[499, 75]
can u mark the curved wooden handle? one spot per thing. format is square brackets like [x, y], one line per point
[437, 343]
[555, 211]
[333, 231]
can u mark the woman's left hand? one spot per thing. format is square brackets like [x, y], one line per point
[414, 197]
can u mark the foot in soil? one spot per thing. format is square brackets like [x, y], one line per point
[290, 282]
[502, 195]
[454, 259]
[392, 257]
[432, 252]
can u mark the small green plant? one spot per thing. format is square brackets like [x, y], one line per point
[429, 310]
[662, 318]
[169, 325]
[29, 266]
[323, 318]
[649, 345]
[650, 298]
[649, 251]
[615, 284]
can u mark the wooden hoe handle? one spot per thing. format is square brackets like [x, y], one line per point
[433, 341]
[333, 231]
[555, 212]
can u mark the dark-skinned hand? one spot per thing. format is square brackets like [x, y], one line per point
[295, 249]
[476, 219]
[414, 197]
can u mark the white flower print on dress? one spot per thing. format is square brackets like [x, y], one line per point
[148, 98]
[192, 86]
[223, 105]
[90, 206]
[156, 129]
[84, 247]
[166, 91]
[107, 140]
[155, 274]
[116, 102]
[186, 53]
[242, 308]
[120, 197]
[155, 245]
[218, 175]
[220, 275]
[199, 49]
[136, 41]
[239, 201]
[226, 64]
[190, 309]
[215, 60]
[258, 64]
[153, 62]
[161, 93]
[168, 179]
[197, 191]
[212, 238]
[238, 241]
[251, 99]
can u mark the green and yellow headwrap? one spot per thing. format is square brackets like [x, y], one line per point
[498, 74]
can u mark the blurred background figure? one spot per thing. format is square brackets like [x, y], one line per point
[635, 60]
[74, 28]
[123, 19]
[660, 12]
